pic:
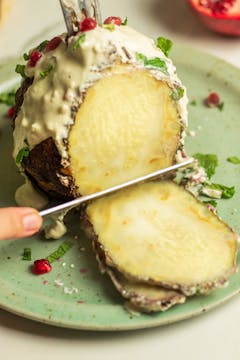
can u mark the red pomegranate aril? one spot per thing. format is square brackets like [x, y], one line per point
[11, 112]
[53, 44]
[87, 24]
[213, 100]
[113, 20]
[217, 6]
[35, 56]
[41, 267]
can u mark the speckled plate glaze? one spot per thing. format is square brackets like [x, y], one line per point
[96, 305]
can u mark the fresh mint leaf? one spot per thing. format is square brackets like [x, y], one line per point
[42, 46]
[20, 69]
[221, 106]
[208, 161]
[164, 44]
[45, 72]
[141, 57]
[110, 27]
[66, 245]
[234, 160]
[26, 56]
[158, 63]
[154, 62]
[125, 21]
[227, 192]
[8, 98]
[24, 152]
[27, 254]
[177, 93]
[79, 41]
[193, 103]
[211, 202]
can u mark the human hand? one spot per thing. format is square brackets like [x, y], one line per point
[18, 222]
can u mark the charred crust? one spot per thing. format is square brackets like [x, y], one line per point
[126, 52]
[44, 169]
[19, 97]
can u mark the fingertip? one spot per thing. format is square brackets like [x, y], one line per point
[19, 222]
[31, 221]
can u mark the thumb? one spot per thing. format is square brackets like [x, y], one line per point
[19, 222]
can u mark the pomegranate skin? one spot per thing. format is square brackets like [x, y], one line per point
[220, 23]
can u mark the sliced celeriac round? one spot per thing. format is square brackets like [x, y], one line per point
[159, 233]
[127, 126]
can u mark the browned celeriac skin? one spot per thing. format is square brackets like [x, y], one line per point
[140, 297]
[179, 245]
[144, 297]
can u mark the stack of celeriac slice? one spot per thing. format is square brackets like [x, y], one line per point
[160, 244]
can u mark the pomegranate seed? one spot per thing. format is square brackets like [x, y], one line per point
[11, 112]
[35, 56]
[87, 24]
[53, 44]
[213, 100]
[113, 20]
[42, 266]
[217, 6]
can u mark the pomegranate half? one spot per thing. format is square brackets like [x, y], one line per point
[222, 16]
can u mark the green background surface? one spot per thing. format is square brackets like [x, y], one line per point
[97, 305]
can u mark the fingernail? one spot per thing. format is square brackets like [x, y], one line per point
[31, 222]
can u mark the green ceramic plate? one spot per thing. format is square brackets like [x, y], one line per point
[96, 305]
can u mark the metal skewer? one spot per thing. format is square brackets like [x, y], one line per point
[85, 199]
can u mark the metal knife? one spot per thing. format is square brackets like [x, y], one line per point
[84, 199]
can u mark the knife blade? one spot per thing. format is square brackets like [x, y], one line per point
[84, 199]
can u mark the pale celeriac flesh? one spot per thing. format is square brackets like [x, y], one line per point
[158, 233]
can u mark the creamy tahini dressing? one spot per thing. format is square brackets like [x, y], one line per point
[27, 195]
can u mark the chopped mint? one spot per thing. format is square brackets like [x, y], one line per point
[125, 21]
[24, 152]
[177, 93]
[154, 62]
[45, 72]
[110, 27]
[26, 56]
[27, 254]
[79, 41]
[42, 46]
[193, 103]
[208, 161]
[20, 69]
[221, 106]
[226, 192]
[141, 57]
[211, 202]
[66, 245]
[8, 98]
[234, 160]
[164, 44]
[158, 63]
